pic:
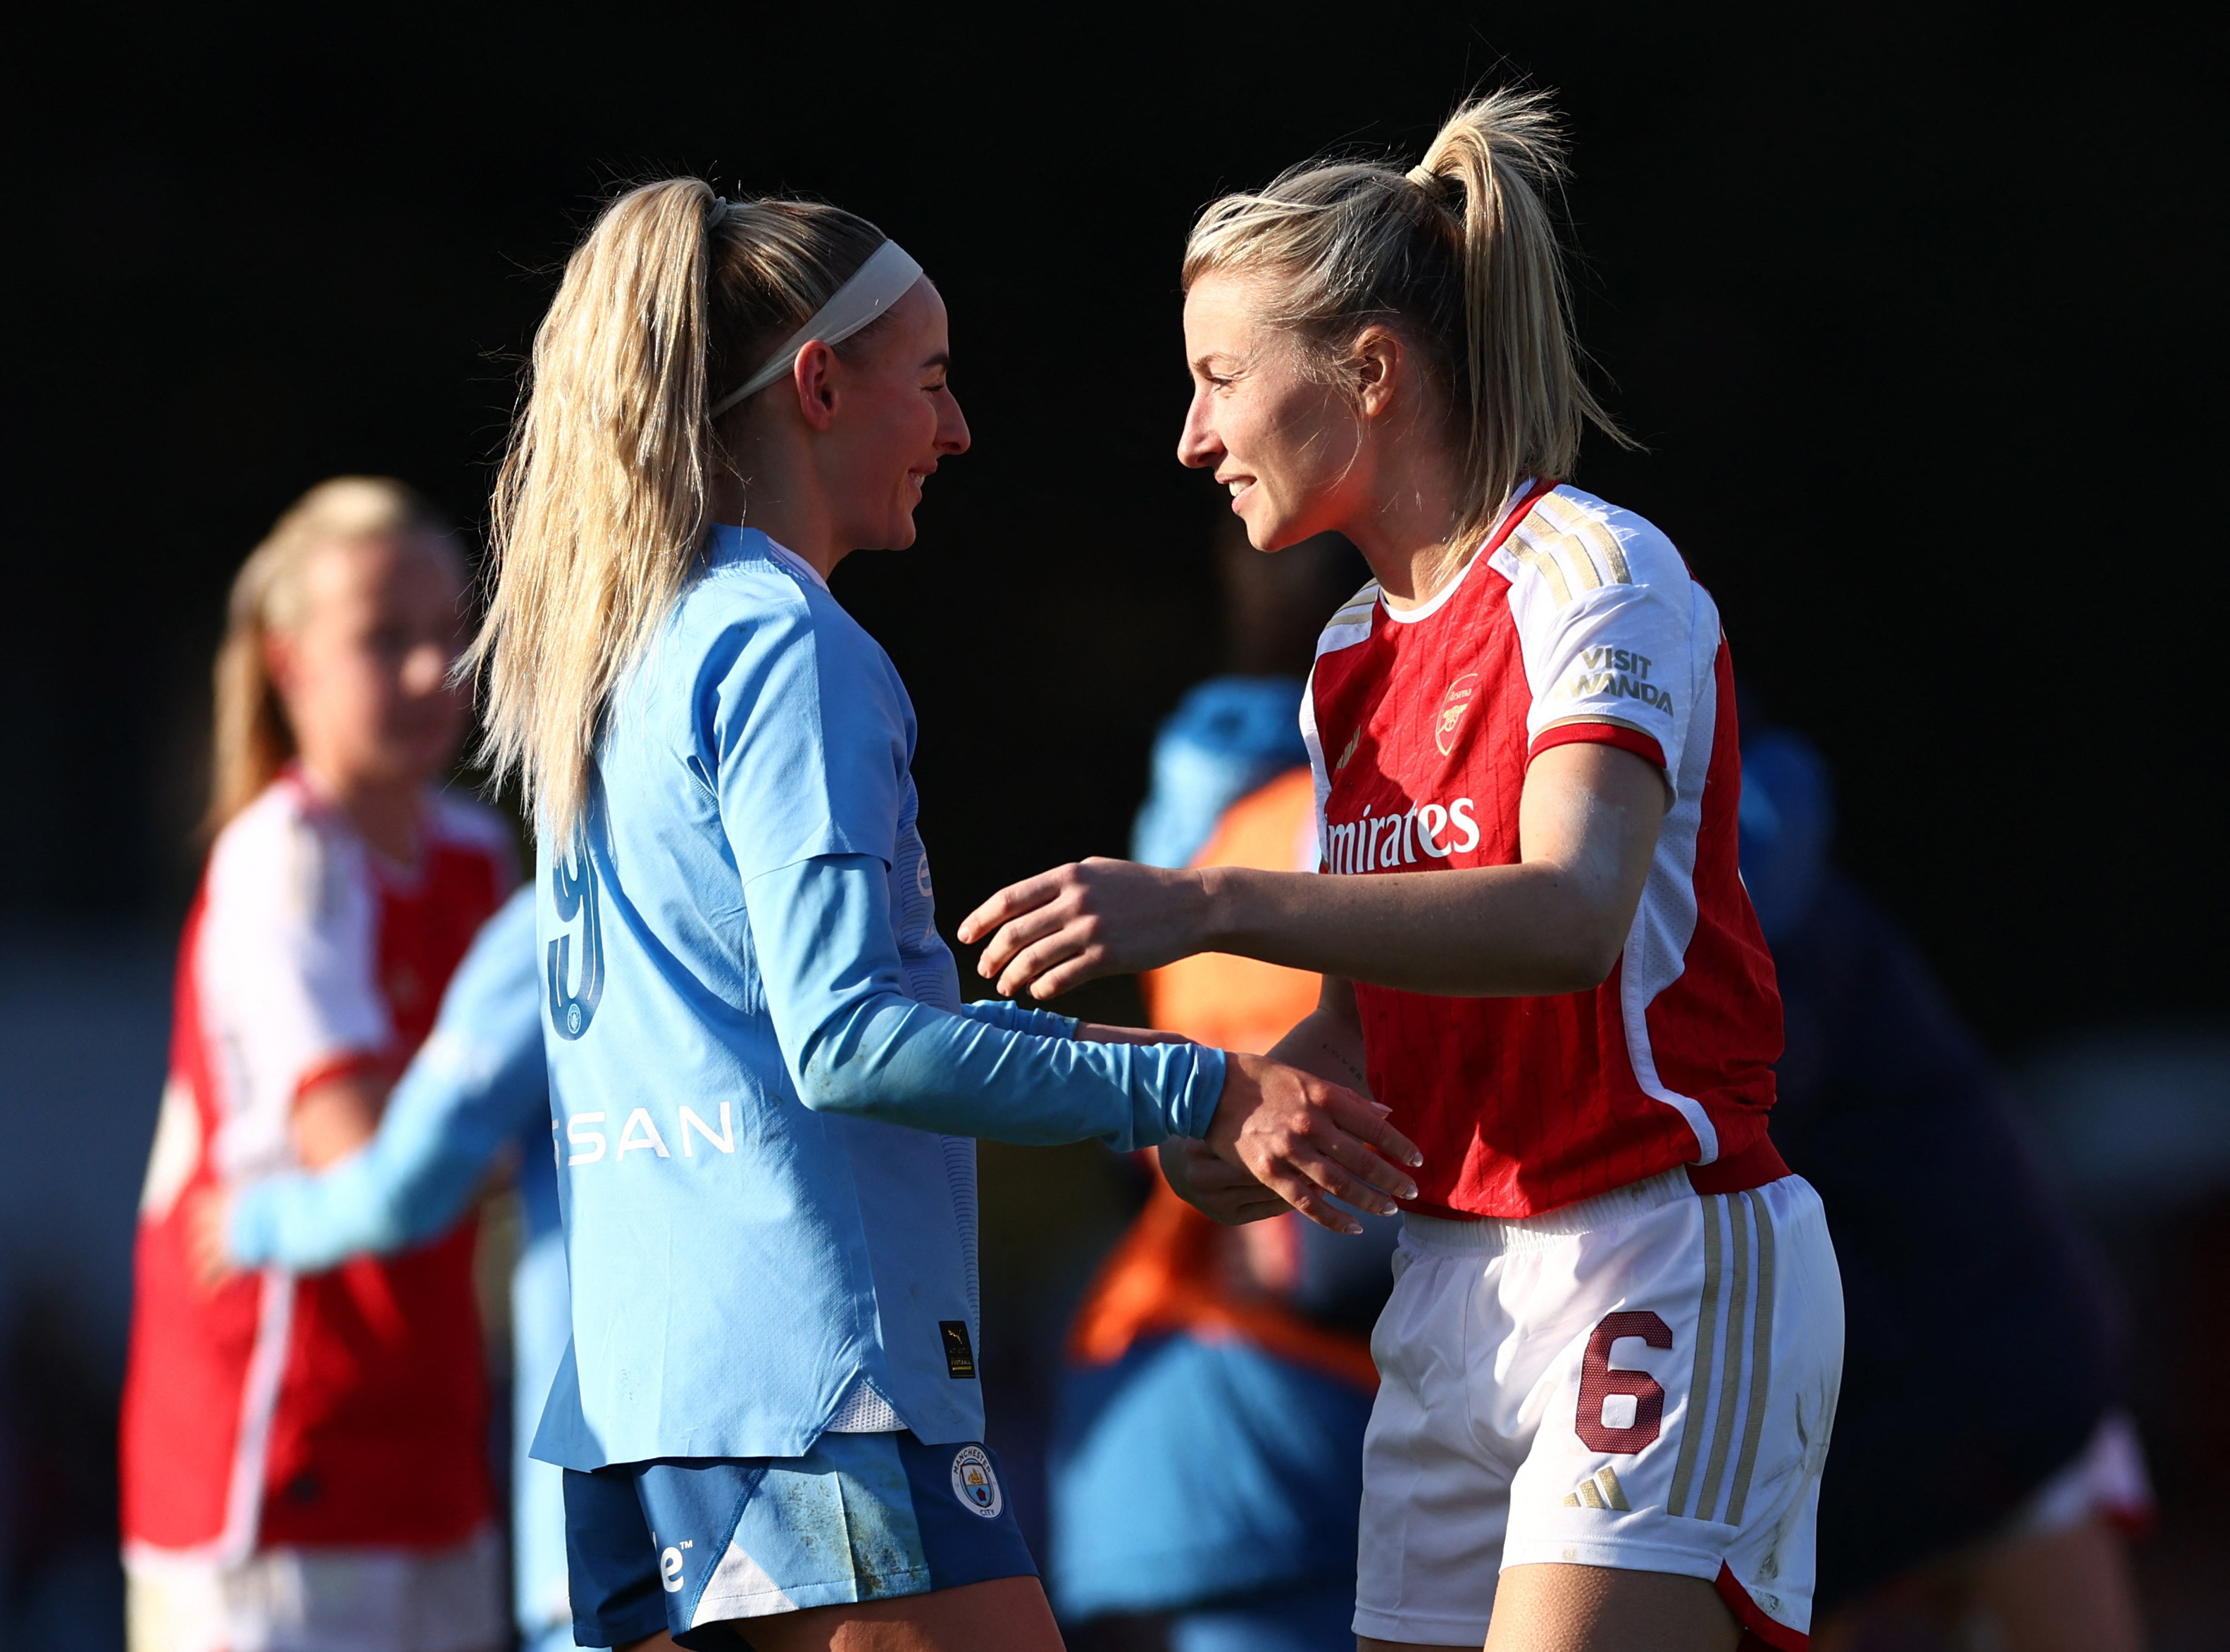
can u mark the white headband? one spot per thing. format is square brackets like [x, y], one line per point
[874, 288]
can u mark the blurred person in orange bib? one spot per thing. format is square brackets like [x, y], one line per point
[305, 1457]
[1207, 1466]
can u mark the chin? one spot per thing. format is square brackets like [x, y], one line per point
[1271, 534]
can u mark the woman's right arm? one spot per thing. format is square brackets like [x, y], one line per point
[1554, 921]
[808, 733]
[399, 1180]
[857, 1043]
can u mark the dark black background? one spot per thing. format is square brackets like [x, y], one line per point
[1913, 308]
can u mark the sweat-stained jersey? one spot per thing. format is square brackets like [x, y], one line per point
[1575, 621]
[346, 1408]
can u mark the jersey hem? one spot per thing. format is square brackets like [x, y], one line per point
[1738, 1172]
[1754, 1166]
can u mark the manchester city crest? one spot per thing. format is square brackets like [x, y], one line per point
[976, 1483]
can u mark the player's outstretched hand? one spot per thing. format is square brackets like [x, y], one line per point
[1306, 1138]
[1078, 923]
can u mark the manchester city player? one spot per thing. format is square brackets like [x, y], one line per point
[763, 1074]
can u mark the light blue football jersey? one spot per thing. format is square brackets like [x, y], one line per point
[764, 1081]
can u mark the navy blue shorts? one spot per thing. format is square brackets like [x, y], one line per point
[691, 1544]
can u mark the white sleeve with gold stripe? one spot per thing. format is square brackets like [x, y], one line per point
[1613, 629]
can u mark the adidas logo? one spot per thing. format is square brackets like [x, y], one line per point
[1599, 1490]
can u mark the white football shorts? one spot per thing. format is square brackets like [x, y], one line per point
[320, 1600]
[1644, 1380]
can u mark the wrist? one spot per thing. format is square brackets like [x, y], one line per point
[1214, 907]
[1221, 1123]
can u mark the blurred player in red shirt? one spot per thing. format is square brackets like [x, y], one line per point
[1610, 1364]
[304, 1457]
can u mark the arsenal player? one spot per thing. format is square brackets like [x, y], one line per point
[305, 1454]
[1610, 1362]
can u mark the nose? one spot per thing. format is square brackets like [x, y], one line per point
[1197, 445]
[952, 435]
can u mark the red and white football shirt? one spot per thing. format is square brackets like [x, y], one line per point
[1577, 621]
[347, 1408]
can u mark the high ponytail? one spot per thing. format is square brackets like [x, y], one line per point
[599, 516]
[1489, 166]
[1461, 254]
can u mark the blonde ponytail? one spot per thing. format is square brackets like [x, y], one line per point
[599, 513]
[1461, 254]
[252, 740]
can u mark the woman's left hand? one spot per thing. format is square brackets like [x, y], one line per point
[1079, 921]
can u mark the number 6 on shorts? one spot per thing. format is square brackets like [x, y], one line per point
[1621, 1410]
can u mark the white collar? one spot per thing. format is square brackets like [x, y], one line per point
[796, 563]
[1439, 600]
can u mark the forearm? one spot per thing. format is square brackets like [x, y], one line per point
[886, 1057]
[1519, 931]
[396, 1193]
[857, 1043]
[451, 1115]
[311, 1222]
[1554, 921]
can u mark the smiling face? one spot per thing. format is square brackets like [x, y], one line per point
[896, 418]
[363, 669]
[1289, 447]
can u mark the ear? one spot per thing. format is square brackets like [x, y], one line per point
[814, 377]
[1380, 365]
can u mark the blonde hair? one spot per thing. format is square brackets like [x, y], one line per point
[599, 515]
[251, 739]
[1459, 254]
